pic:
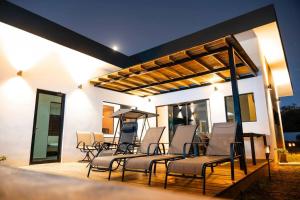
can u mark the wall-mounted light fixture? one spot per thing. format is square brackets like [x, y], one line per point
[215, 88]
[20, 73]
[80, 86]
[269, 87]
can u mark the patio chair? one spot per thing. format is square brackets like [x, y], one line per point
[183, 134]
[148, 147]
[85, 144]
[220, 149]
[126, 141]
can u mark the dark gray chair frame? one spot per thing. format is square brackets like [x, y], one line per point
[123, 159]
[234, 149]
[154, 162]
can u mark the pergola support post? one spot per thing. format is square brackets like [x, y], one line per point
[237, 107]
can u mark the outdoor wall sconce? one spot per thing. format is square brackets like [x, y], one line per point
[20, 73]
[80, 86]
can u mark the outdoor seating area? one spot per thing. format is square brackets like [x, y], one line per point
[199, 115]
[182, 159]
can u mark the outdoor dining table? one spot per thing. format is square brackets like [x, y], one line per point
[251, 136]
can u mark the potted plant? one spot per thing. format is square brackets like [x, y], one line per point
[282, 155]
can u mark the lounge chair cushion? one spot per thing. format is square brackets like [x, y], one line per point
[84, 137]
[105, 161]
[192, 166]
[183, 134]
[143, 163]
[222, 135]
[108, 152]
[152, 136]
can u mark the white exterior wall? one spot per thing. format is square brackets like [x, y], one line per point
[217, 105]
[49, 66]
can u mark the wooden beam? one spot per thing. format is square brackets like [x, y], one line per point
[254, 72]
[184, 67]
[206, 66]
[177, 62]
[147, 83]
[172, 71]
[180, 78]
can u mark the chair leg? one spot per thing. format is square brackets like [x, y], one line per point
[232, 169]
[88, 175]
[166, 164]
[204, 178]
[123, 173]
[166, 179]
[150, 174]
[154, 170]
[212, 168]
[110, 169]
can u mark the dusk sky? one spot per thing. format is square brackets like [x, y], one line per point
[137, 25]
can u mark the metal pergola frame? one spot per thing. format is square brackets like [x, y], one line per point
[122, 114]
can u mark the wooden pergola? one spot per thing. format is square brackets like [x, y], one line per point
[220, 60]
[194, 67]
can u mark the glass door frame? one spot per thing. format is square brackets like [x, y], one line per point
[63, 96]
[185, 103]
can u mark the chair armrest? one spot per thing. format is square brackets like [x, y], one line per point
[184, 146]
[149, 146]
[233, 146]
[83, 144]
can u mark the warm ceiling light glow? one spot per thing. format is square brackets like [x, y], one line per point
[22, 49]
[115, 48]
[214, 78]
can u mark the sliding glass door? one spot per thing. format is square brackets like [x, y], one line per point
[188, 113]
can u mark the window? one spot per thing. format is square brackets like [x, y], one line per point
[107, 120]
[247, 108]
[196, 112]
[109, 124]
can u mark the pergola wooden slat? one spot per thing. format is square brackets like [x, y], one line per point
[185, 69]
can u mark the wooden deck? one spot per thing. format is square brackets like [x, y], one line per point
[217, 182]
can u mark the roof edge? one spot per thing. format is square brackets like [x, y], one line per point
[21, 18]
[232, 26]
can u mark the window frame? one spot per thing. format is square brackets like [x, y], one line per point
[226, 110]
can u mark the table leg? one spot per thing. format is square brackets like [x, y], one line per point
[253, 150]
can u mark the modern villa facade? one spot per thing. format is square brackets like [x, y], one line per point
[39, 57]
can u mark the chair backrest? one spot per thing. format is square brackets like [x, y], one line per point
[128, 134]
[183, 134]
[152, 135]
[98, 137]
[84, 137]
[222, 135]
